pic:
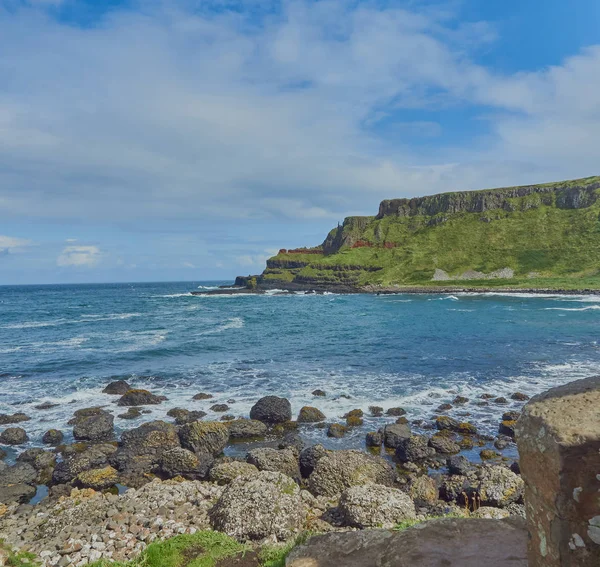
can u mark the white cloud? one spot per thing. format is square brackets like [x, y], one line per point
[178, 114]
[188, 265]
[79, 256]
[10, 244]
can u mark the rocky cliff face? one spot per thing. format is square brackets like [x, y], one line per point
[564, 196]
[532, 236]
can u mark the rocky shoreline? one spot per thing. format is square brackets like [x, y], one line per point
[289, 288]
[179, 481]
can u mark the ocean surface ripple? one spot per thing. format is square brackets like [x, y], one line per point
[62, 344]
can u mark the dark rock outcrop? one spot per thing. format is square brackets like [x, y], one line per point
[457, 542]
[272, 410]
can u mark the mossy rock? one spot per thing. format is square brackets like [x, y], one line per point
[354, 421]
[336, 430]
[98, 479]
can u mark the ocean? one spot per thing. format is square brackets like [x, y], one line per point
[63, 343]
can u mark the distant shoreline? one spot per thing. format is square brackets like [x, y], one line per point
[392, 290]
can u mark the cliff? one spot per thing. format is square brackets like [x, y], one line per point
[532, 236]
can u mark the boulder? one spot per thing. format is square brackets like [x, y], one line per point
[374, 439]
[309, 457]
[414, 448]
[394, 434]
[69, 468]
[443, 422]
[202, 396]
[319, 393]
[53, 437]
[376, 411]
[507, 428]
[395, 412]
[459, 465]
[225, 472]
[292, 441]
[6, 419]
[219, 408]
[16, 493]
[246, 428]
[19, 473]
[131, 413]
[451, 542]
[454, 489]
[181, 462]
[94, 428]
[374, 505]
[98, 479]
[13, 436]
[266, 504]
[282, 461]
[309, 414]
[204, 437]
[558, 436]
[460, 400]
[338, 470]
[183, 416]
[423, 490]
[497, 486]
[83, 413]
[45, 406]
[444, 445]
[271, 410]
[139, 398]
[140, 451]
[519, 396]
[117, 388]
[336, 430]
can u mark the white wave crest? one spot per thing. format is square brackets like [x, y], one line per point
[588, 308]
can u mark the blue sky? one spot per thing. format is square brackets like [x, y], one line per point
[191, 139]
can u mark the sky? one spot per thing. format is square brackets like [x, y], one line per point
[191, 139]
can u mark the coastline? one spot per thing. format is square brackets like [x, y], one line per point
[284, 288]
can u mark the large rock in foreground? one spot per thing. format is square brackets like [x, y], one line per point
[373, 505]
[447, 543]
[272, 410]
[338, 470]
[558, 436]
[258, 506]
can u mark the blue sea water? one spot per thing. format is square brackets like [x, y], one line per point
[62, 344]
